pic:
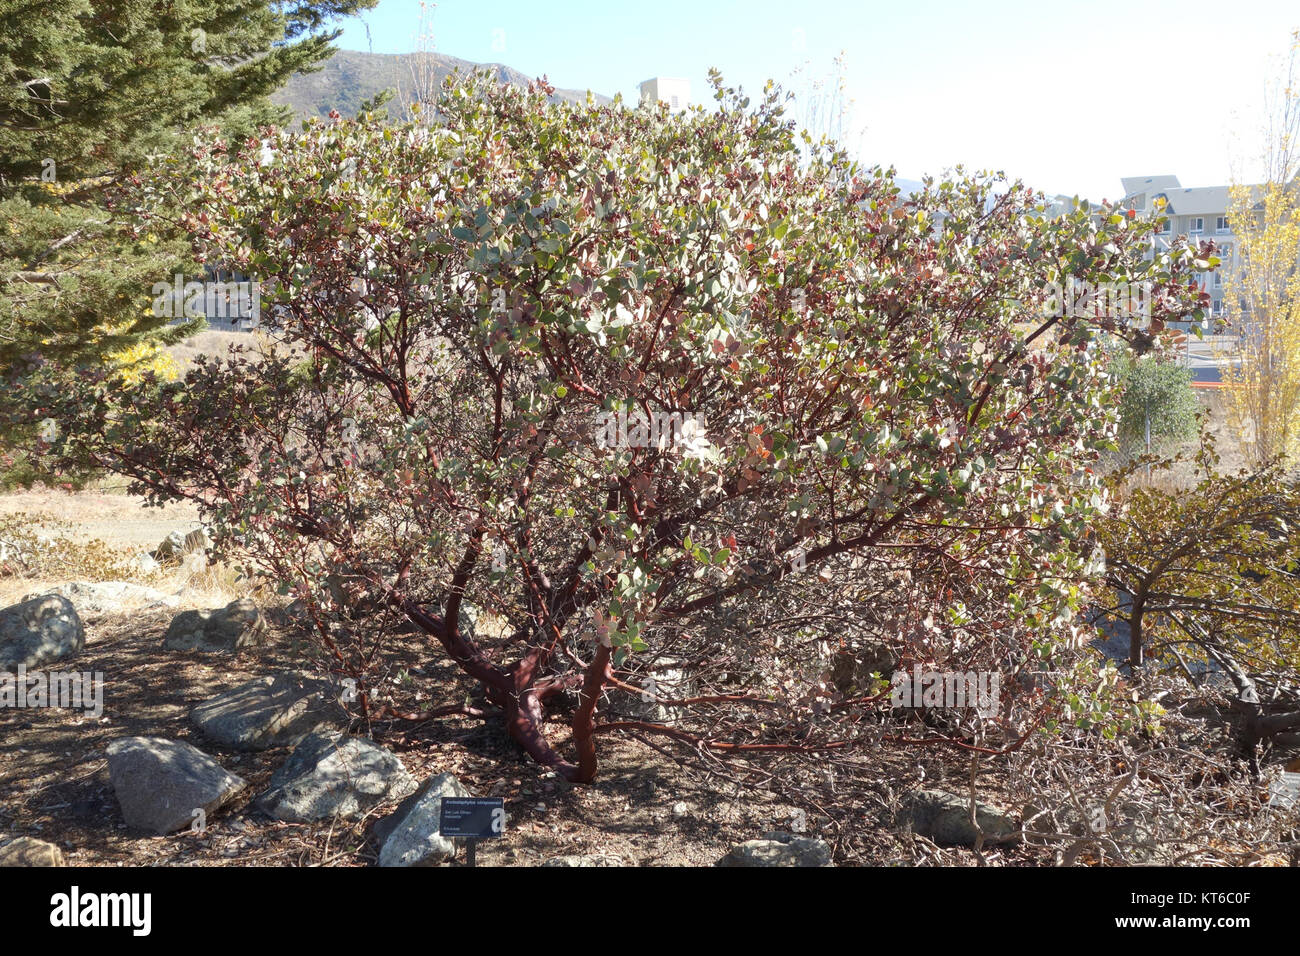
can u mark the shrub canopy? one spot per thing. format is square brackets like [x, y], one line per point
[652, 390]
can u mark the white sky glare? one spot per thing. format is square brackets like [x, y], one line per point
[1068, 96]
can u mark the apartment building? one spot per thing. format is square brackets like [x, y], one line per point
[1199, 213]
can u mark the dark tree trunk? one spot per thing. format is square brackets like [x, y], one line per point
[1135, 628]
[518, 694]
[598, 672]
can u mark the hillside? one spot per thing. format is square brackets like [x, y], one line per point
[350, 77]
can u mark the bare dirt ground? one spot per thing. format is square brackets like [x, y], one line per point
[119, 520]
[116, 518]
[645, 809]
[55, 780]
[649, 806]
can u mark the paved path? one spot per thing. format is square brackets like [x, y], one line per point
[1207, 359]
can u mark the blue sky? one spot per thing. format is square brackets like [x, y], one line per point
[1069, 96]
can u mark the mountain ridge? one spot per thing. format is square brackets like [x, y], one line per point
[350, 77]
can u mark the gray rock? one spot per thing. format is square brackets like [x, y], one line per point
[220, 631]
[28, 851]
[145, 563]
[467, 617]
[353, 594]
[171, 547]
[94, 599]
[161, 783]
[178, 544]
[16, 551]
[411, 835]
[591, 859]
[851, 670]
[331, 774]
[779, 849]
[38, 631]
[945, 818]
[1113, 641]
[1114, 637]
[266, 712]
[1128, 828]
[1284, 792]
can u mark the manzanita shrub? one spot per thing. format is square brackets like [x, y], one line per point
[683, 408]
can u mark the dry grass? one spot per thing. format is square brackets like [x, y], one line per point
[107, 513]
[210, 343]
[96, 533]
[1183, 476]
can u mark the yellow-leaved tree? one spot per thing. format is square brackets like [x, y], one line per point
[1263, 286]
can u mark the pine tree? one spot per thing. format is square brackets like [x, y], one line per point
[91, 92]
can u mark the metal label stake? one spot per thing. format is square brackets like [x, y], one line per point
[472, 819]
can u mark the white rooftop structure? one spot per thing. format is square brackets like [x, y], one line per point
[674, 91]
